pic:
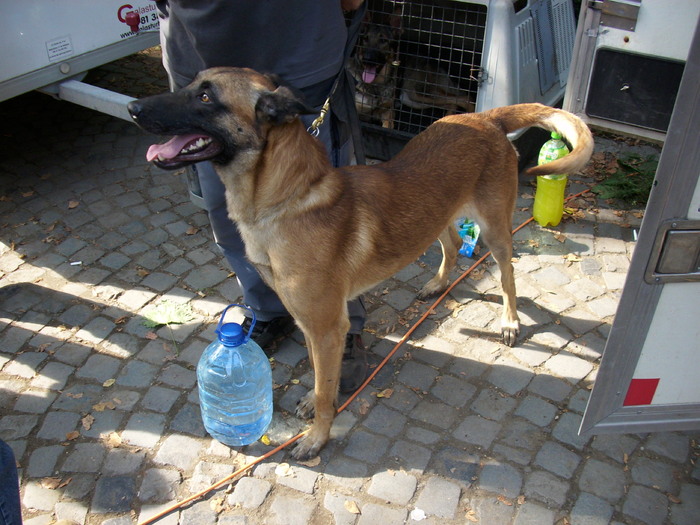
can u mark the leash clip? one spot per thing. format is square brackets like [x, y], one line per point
[318, 122]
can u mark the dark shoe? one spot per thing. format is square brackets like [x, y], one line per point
[268, 333]
[354, 368]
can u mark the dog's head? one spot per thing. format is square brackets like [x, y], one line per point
[223, 112]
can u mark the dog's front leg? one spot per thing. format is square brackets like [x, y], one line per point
[326, 350]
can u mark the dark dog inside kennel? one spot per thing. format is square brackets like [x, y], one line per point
[419, 60]
[415, 62]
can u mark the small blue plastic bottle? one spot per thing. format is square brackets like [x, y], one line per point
[234, 380]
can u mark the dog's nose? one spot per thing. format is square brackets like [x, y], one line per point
[134, 107]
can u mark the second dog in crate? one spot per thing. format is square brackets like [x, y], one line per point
[374, 69]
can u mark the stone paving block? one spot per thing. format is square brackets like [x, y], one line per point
[551, 277]
[25, 365]
[286, 510]
[335, 503]
[249, 492]
[178, 451]
[604, 480]
[299, 478]
[43, 460]
[557, 459]
[568, 366]
[417, 375]
[144, 429]
[159, 485]
[455, 392]
[550, 387]
[178, 376]
[85, 457]
[439, 497]
[113, 494]
[346, 472]
[501, 479]
[490, 511]
[394, 487]
[547, 488]
[386, 421]
[206, 474]
[99, 367]
[57, 424]
[646, 505]
[366, 447]
[372, 514]
[655, 474]
[509, 376]
[477, 431]
[34, 401]
[123, 461]
[71, 511]
[53, 376]
[39, 498]
[533, 514]
[160, 399]
[536, 410]
[433, 413]
[137, 374]
[615, 446]
[189, 420]
[493, 405]
[686, 512]
[414, 458]
[672, 445]
[566, 430]
[121, 345]
[591, 510]
[96, 330]
[200, 513]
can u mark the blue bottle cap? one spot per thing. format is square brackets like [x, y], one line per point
[231, 334]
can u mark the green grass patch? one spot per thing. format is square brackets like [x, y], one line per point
[632, 181]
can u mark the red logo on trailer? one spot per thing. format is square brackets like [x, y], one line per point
[132, 18]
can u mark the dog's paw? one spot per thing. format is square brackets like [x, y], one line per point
[510, 332]
[431, 289]
[310, 445]
[305, 406]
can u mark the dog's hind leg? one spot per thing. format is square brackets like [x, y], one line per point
[450, 242]
[499, 240]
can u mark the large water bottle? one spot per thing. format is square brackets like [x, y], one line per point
[234, 380]
[549, 195]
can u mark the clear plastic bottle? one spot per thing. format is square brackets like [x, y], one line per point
[549, 195]
[234, 380]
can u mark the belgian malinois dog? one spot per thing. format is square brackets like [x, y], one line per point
[321, 235]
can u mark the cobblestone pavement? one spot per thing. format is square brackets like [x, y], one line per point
[102, 411]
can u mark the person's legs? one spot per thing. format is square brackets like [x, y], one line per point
[10, 510]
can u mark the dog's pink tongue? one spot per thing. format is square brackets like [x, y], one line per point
[369, 74]
[171, 148]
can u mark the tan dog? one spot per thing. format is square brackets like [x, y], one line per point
[320, 235]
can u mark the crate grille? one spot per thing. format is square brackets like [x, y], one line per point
[434, 52]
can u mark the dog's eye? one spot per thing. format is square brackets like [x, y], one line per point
[204, 98]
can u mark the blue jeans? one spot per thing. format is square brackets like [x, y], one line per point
[10, 512]
[256, 294]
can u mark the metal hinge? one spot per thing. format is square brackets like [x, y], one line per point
[620, 14]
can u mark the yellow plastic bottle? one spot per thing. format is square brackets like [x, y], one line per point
[549, 195]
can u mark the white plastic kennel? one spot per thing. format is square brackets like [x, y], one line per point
[445, 52]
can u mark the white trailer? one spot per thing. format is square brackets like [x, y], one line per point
[649, 377]
[49, 45]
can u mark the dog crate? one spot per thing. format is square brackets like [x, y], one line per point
[419, 60]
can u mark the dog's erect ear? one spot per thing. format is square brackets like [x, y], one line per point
[280, 106]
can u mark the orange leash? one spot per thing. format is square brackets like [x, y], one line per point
[352, 397]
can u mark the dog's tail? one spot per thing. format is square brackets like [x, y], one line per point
[568, 125]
